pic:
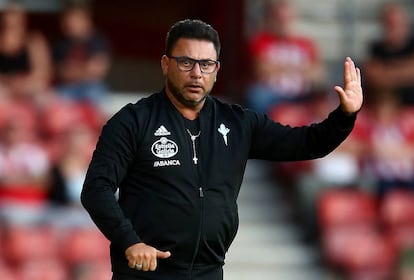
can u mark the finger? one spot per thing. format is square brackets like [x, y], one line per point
[342, 97]
[145, 266]
[141, 262]
[131, 262]
[358, 71]
[347, 72]
[340, 91]
[353, 70]
[163, 255]
[146, 263]
[153, 264]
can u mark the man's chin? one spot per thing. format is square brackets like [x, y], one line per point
[194, 101]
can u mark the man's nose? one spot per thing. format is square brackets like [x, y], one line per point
[196, 71]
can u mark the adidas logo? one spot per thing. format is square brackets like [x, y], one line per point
[162, 131]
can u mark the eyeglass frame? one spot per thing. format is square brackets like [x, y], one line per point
[194, 62]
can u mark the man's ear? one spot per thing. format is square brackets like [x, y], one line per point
[164, 64]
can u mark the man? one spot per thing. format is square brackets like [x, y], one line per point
[82, 57]
[178, 158]
[392, 56]
[286, 66]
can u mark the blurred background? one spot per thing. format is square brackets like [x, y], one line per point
[67, 66]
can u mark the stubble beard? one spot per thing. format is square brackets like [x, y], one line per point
[179, 96]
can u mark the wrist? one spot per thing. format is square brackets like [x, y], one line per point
[350, 114]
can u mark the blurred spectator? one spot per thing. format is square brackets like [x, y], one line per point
[286, 66]
[69, 131]
[70, 169]
[390, 65]
[389, 137]
[24, 168]
[25, 59]
[81, 57]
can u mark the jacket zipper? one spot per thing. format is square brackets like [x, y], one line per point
[196, 149]
[200, 229]
[200, 191]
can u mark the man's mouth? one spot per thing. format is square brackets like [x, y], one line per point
[194, 87]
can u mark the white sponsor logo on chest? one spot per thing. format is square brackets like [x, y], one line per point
[169, 162]
[164, 148]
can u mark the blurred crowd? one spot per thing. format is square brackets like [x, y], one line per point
[52, 97]
[377, 160]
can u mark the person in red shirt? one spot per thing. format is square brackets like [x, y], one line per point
[24, 168]
[389, 134]
[286, 67]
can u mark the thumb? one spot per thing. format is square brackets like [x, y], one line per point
[163, 255]
[340, 91]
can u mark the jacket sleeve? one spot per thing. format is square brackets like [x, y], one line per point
[274, 141]
[110, 161]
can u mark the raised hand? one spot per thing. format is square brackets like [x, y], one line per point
[350, 95]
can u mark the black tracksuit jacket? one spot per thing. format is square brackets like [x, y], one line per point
[167, 201]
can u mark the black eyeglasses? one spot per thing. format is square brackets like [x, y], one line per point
[186, 64]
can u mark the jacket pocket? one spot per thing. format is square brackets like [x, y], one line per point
[221, 222]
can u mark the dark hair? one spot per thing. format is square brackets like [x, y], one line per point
[191, 29]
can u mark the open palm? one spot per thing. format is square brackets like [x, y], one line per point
[350, 95]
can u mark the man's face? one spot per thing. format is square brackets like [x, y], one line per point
[189, 88]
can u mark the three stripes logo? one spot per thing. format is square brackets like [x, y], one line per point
[162, 131]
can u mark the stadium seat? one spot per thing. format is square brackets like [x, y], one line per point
[397, 216]
[397, 208]
[98, 270]
[6, 272]
[346, 207]
[24, 243]
[44, 269]
[370, 255]
[1, 242]
[350, 236]
[84, 245]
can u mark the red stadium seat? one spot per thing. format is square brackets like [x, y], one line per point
[397, 208]
[24, 243]
[370, 255]
[1, 242]
[346, 207]
[50, 269]
[401, 237]
[6, 272]
[397, 215]
[85, 245]
[351, 240]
